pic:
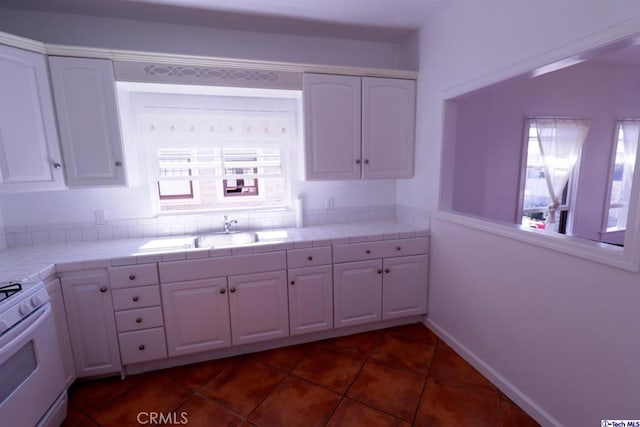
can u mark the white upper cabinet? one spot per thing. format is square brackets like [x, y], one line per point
[388, 127]
[332, 132]
[358, 127]
[29, 150]
[85, 98]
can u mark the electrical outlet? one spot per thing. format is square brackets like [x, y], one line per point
[329, 202]
[100, 218]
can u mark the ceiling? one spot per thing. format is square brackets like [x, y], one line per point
[377, 20]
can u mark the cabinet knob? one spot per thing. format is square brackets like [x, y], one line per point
[142, 347]
[386, 270]
[367, 251]
[136, 299]
[310, 258]
[103, 289]
[357, 161]
[293, 282]
[366, 161]
[118, 163]
[139, 320]
[379, 271]
[232, 290]
[132, 277]
[398, 248]
[223, 291]
[56, 165]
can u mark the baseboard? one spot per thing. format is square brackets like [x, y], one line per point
[517, 396]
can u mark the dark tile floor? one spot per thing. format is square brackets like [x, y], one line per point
[395, 377]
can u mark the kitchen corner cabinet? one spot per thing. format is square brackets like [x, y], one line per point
[85, 99]
[379, 280]
[92, 326]
[62, 330]
[358, 127]
[30, 157]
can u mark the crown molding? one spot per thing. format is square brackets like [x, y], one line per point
[22, 43]
[207, 61]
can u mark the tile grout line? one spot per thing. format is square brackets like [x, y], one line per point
[424, 385]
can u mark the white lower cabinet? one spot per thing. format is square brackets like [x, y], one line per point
[357, 292]
[310, 299]
[62, 330]
[92, 327]
[404, 286]
[196, 315]
[258, 306]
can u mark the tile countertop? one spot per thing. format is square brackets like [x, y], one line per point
[35, 263]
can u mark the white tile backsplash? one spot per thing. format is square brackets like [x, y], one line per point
[133, 228]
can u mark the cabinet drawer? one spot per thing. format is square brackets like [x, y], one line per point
[141, 318]
[309, 257]
[380, 249]
[402, 247]
[140, 346]
[133, 275]
[145, 296]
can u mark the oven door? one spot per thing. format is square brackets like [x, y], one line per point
[30, 369]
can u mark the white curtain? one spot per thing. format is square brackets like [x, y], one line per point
[631, 134]
[560, 142]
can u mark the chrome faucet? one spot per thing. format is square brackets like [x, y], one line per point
[228, 223]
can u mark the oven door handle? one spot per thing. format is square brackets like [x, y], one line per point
[20, 333]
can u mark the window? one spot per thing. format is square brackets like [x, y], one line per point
[553, 149]
[624, 158]
[210, 152]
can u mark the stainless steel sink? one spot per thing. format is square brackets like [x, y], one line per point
[221, 240]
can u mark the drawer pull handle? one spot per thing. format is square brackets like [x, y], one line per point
[103, 289]
[310, 258]
[136, 299]
[132, 277]
[232, 290]
[293, 282]
[139, 320]
[398, 248]
[368, 251]
[386, 270]
[142, 347]
[379, 271]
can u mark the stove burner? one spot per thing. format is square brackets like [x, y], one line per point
[8, 290]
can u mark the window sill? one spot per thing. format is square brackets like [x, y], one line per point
[602, 253]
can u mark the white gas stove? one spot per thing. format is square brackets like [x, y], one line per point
[18, 300]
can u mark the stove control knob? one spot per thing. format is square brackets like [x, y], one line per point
[36, 301]
[3, 326]
[25, 309]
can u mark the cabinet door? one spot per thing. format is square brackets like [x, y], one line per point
[332, 116]
[62, 330]
[388, 127]
[85, 99]
[92, 326]
[357, 292]
[29, 148]
[196, 316]
[310, 299]
[258, 307]
[404, 289]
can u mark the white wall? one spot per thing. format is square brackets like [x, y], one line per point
[122, 203]
[490, 138]
[564, 344]
[191, 40]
